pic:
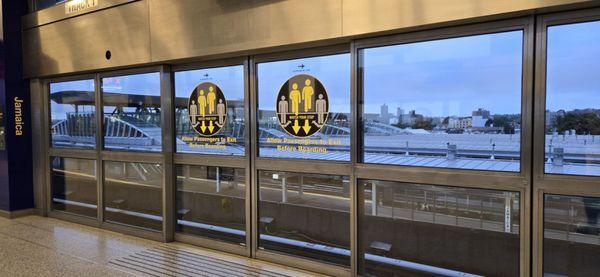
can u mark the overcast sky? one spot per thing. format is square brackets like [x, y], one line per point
[446, 77]
[573, 80]
[435, 78]
[333, 71]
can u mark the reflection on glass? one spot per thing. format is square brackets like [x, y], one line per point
[225, 138]
[132, 112]
[42, 4]
[305, 215]
[72, 114]
[74, 186]
[453, 103]
[412, 229]
[572, 102]
[304, 108]
[211, 202]
[571, 236]
[133, 194]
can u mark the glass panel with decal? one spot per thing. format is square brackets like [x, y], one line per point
[132, 112]
[572, 99]
[209, 111]
[411, 229]
[304, 108]
[72, 114]
[450, 103]
[211, 202]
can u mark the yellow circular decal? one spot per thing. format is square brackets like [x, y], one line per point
[207, 109]
[302, 105]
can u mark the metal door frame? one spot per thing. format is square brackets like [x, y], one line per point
[543, 183]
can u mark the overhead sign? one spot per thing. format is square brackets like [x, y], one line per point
[79, 5]
[302, 105]
[207, 109]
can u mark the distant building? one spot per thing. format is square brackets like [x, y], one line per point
[465, 123]
[370, 116]
[384, 114]
[550, 118]
[478, 121]
[460, 122]
[399, 115]
[481, 112]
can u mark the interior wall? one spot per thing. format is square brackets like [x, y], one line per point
[158, 31]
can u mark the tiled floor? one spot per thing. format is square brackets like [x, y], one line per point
[38, 246]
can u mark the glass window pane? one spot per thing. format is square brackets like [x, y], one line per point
[452, 103]
[72, 114]
[211, 202]
[304, 108]
[42, 4]
[209, 111]
[305, 215]
[572, 102]
[132, 112]
[133, 194]
[436, 230]
[571, 241]
[74, 188]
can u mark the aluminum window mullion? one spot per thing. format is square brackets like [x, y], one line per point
[169, 190]
[354, 158]
[99, 147]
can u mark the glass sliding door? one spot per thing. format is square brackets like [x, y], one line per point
[567, 157]
[302, 159]
[132, 137]
[71, 126]
[444, 151]
[212, 170]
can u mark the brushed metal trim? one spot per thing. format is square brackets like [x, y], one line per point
[211, 244]
[248, 110]
[79, 43]
[252, 146]
[130, 71]
[303, 53]
[132, 157]
[207, 64]
[210, 160]
[383, 16]
[213, 27]
[73, 218]
[57, 13]
[354, 158]
[169, 191]
[38, 143]
[133, 231]
[99, 147]
[303, 166]
[72, 153]
[301, 263]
